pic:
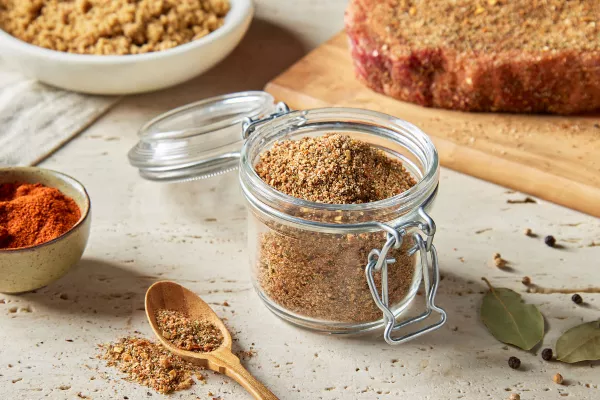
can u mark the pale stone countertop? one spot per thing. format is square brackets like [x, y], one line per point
[142, 231]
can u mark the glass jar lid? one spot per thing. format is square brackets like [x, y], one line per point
[198, 140]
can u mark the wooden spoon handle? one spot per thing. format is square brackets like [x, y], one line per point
[250, 383]
[234, 369]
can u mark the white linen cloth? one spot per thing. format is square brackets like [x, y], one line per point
[36, 119]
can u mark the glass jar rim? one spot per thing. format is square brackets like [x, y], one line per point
[406, 200]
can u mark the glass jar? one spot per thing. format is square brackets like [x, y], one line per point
[336, 268]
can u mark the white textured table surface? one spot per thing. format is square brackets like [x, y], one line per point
[143, 231]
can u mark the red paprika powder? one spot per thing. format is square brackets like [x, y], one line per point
[31, 214]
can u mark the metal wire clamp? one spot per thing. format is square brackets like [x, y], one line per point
[250, 124]
[422, 233]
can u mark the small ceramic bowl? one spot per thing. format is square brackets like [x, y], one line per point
[133, 73]
[30, 268]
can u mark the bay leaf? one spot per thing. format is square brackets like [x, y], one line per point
[580, 343]
[510, 319]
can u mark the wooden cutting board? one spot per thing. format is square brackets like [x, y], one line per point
[555, 158]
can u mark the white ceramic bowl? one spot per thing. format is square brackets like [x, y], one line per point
[129, 74]
[30, 268]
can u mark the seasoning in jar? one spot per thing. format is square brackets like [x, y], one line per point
[321, 275]
[32, 214]
[333, 169]
[188, 334]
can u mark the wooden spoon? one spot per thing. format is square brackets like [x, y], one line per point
[171, 296]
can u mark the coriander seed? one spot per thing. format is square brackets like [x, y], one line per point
[577, 299]
[526, 281]
[515, 396]
[499, 261]
[547, 354]
[558, 379]
[514, 362]
[528, 232]
[550, 241]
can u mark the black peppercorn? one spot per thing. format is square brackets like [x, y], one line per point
[547, 354]
[577, 299]
[514, 362]
[550, 240]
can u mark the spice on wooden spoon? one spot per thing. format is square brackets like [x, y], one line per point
[188, 334]
[167, 295]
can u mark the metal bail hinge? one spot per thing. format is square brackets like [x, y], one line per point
[249, 124]
[378, 261]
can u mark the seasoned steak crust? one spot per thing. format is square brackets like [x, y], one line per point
[522, 56]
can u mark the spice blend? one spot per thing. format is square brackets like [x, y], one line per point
[321, 275]
[32, 214]
[102, 27]
[188, 334]
[150, 364]
[333, 169]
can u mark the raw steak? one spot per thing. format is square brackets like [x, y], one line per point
[524, 56]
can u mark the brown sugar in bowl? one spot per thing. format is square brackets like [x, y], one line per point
[29, 268]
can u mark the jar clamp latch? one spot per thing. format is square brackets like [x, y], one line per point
[249, 124]
[378, 261]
